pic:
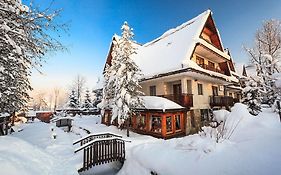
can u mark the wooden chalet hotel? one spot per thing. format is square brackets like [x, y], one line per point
[187, 73]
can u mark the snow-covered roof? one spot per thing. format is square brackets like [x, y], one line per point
[159, 103]
[61, 118]
[172, 49]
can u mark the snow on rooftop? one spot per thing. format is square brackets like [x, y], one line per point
[172, 48]
[154, 102]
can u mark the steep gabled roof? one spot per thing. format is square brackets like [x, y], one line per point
[173, 50]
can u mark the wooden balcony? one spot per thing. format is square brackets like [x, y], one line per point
[211, 68]
[221, 101]
[185, 100]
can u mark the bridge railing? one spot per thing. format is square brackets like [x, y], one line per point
[91, 137]
[101, 151]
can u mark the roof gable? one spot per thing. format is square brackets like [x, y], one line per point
[210, 30]
[171, 50]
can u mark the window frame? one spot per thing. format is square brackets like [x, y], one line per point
[200, 89]
[152, 90]
[200, 60]
[179, 116]
[171, 124]
[157, 123]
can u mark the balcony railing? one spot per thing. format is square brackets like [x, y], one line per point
[211, 68]
[221, 101]
[185, 100]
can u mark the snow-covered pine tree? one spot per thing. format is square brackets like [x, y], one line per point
[24, 41]
[252, 96]
[265, 56]
[73, 100]
[124, 77]
[107, 91]
[97, 97]
[87, 101]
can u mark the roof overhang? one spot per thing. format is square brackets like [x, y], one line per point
[191, 72]
[161, 110]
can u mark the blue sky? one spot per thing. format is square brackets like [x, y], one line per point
[93, 22]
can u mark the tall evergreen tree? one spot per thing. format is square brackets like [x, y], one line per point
[252, 96]
[87, 101]
[108, 90]
[124, 77]
[73, 100]
[24, 41]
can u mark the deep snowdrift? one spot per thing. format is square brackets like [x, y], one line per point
[252, 149]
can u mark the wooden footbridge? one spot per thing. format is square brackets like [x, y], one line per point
[100, 149]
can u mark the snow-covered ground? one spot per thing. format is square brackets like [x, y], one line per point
[252, 149]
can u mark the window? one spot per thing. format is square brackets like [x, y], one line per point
[152, 90]
[141, 122]
[215, 90]
[200, 60]
[156, 123]
[230, 94]
[169, 124]
[211, 64]
[204, 115]
[178, 122]
[200, 89]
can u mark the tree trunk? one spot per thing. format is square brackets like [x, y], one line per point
[13, 118]
[279, 109]
[6, 125]
[127, 125]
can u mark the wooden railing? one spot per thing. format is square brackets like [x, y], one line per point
[91, 137]
[101, 151]
[211, 68]
[221, 101]
[185, 100]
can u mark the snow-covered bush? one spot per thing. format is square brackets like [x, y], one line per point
[228, 123]
[252, 96]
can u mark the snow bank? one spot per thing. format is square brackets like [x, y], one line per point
[220, 115]
[20, 157]
[253, 149]
[34, 151]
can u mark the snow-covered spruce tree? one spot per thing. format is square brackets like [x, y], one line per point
[87, 101]
[108, 90]
[73, 100]
[24, 41]
[97, 97]
[252, 96]
[124, 77]
[265, 56]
